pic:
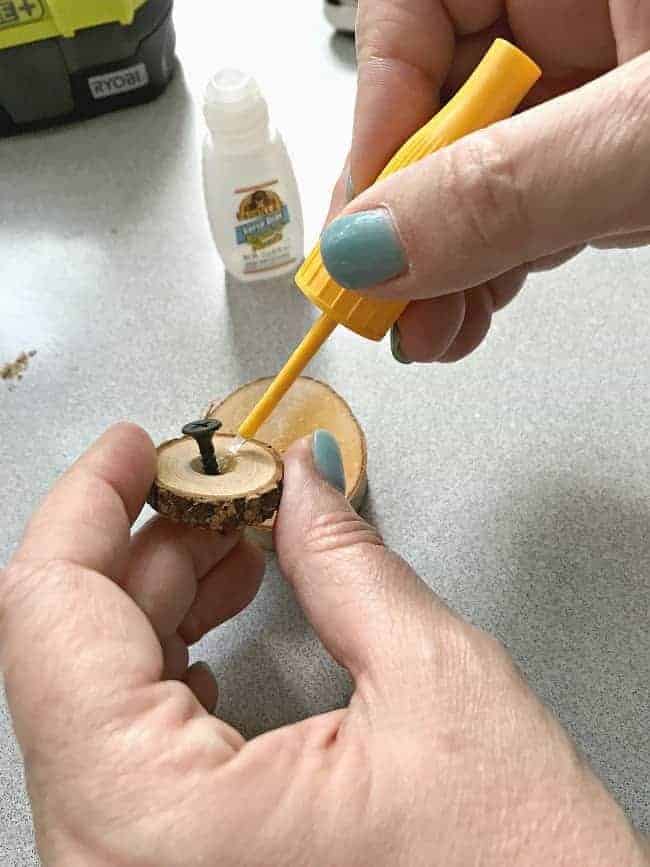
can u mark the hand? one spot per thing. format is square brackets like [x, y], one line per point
[461, 230]
[443, 757]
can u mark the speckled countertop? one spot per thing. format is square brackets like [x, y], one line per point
[517, 483]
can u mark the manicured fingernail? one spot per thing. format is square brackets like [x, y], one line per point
[349, 189]
[362, 250]
[396, 346]
[328, 460]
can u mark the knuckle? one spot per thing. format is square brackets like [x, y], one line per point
[337, 531]
[379, 26]
[486, 176]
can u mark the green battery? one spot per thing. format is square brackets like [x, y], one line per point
[63, 60]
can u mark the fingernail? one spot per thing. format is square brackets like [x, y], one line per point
[396, 346]
[362, 250]
[328, 460]
[349, 189]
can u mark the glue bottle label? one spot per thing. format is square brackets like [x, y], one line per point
[261, 218]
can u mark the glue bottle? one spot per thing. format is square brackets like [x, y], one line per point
[250, 188]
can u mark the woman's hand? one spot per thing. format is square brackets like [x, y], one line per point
[461, 230]
[444, 757]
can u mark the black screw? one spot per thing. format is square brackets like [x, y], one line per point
[203, 431]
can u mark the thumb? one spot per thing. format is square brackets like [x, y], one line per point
[558, 176]
[366, 604]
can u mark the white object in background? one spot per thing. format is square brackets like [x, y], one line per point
[342, 14]
[250, 188]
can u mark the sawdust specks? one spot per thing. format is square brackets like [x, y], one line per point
[14, 370]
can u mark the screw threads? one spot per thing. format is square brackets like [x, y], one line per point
[202, 432]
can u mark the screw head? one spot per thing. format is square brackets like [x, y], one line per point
[203, 427]
[202, 432]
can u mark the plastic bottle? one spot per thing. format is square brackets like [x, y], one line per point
[250, 188]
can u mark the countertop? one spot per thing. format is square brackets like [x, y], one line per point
[517, 482]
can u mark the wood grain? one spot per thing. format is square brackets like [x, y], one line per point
[247, 492]
[308, 406]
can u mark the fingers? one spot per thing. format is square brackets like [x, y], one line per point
[563, 35]
[225, 591]
[469, 52]
[631, 25]
[74, 646]
[369, 608]
[554, 260]
[480, 305]
[473, 16]
[449, 328]
[201, 681]
[189, 581]
[198, 677]
[165, 565]
[552, 178]
[428, 328]
[623, 242]
[478, 318]
[404, 51]
[175, 658]
[506, 287]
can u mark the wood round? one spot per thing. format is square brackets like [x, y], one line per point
[309, 405]
[246, 493]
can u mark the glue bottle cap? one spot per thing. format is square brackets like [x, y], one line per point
[234, 105]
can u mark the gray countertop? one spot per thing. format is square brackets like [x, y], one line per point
[517, 482]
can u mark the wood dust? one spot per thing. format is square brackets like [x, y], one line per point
[15, 370]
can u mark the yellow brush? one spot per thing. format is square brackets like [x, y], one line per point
[496, 88]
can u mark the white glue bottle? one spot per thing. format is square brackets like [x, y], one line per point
[250, 188]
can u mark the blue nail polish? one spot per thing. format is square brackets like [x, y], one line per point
[362, 250]
[396, 346]
[328, 460]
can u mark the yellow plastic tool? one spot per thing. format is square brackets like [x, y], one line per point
[492, 93]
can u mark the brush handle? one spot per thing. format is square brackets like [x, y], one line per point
[311, 343]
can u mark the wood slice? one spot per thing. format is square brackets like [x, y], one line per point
[246, 493]
[309, 405]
